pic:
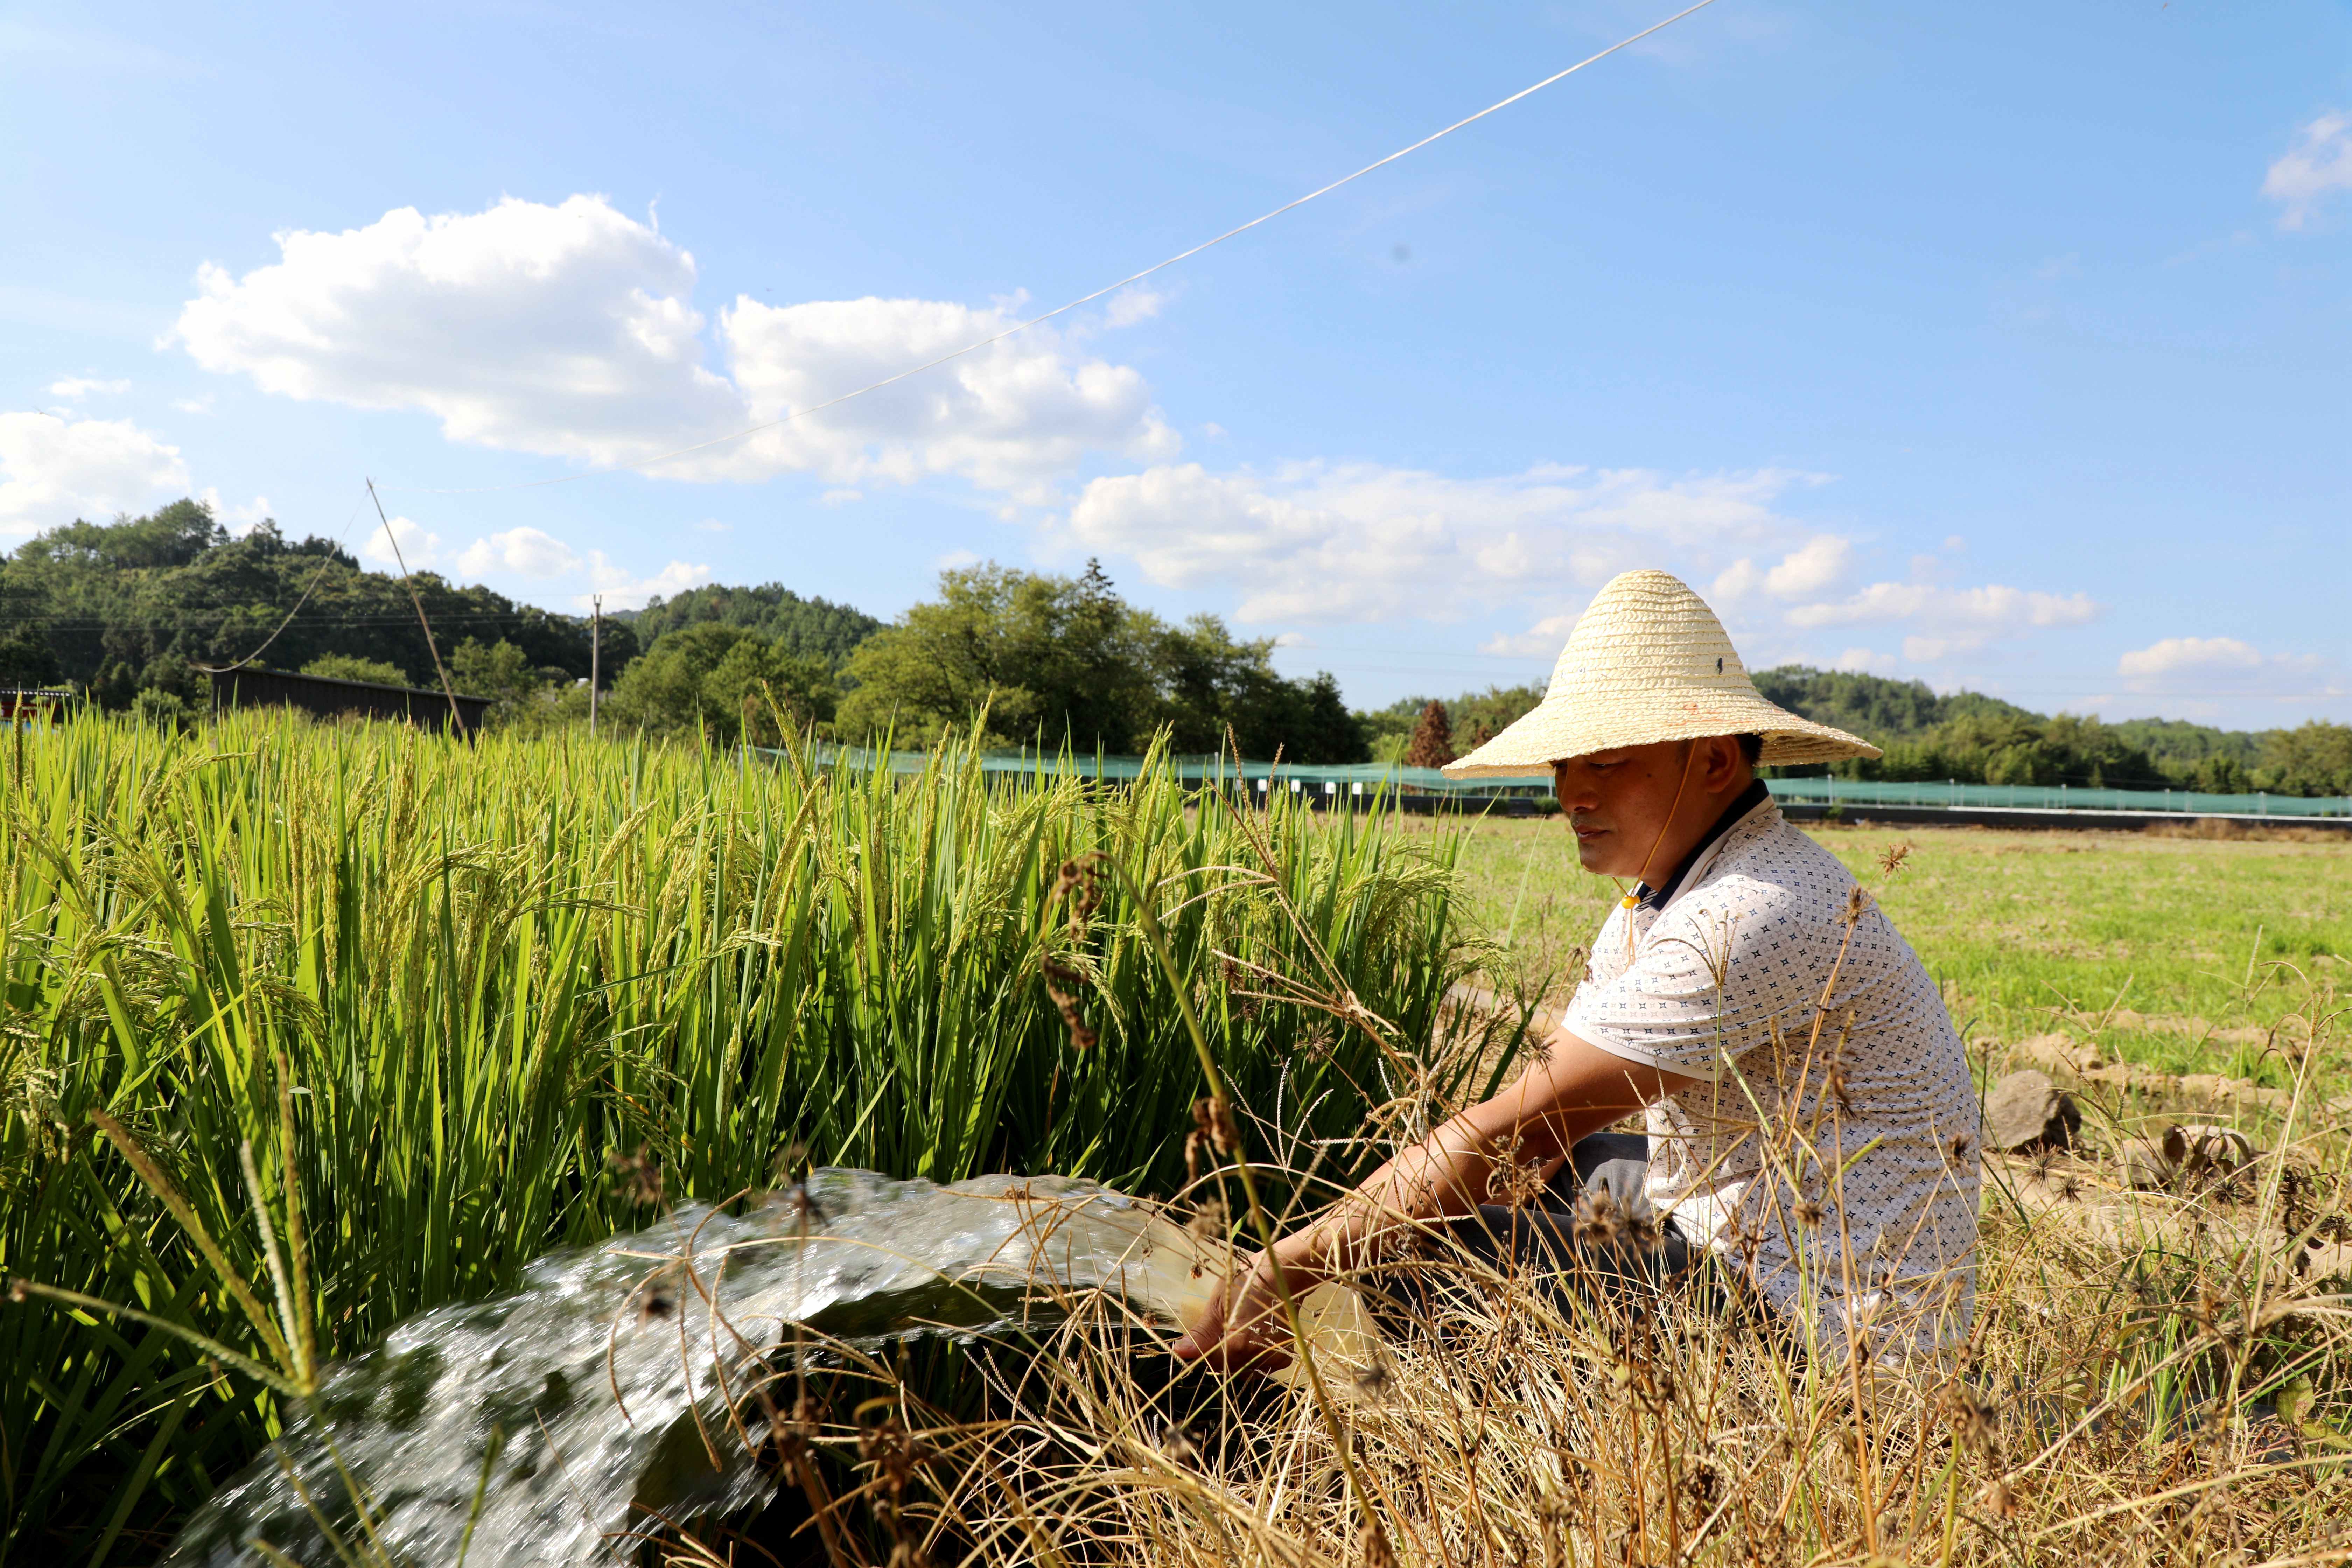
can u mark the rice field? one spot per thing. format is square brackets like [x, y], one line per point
[422, 1012]
[458, 1006]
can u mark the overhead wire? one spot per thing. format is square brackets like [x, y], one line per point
[391, 537]
[324, 562]
[1087, 298]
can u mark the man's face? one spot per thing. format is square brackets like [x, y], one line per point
[1617, 802]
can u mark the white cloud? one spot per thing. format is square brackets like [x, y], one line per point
[1129, 306]
[1012, 416]
[955, 561]
[840, 496]
[1862, 661]
[193, 404]
[568, 330]
[74, 388]
[418, 547]
[2181, 670]
[1545, 638]
[1320, 542]
[53, 470]
[238, 519]
[1950, 620]
[712, 525]
[2175, 654]
[560, 330]
[1736, 582]
[524, 551]
[534, 553]
[2319, 161]
[1820, 563]
[623, 590]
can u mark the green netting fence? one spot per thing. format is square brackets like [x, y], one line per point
[1954, 796]
[1363, 782]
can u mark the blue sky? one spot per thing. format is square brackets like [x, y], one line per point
[2002, 345]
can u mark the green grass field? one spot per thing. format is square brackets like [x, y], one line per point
[2028, 931]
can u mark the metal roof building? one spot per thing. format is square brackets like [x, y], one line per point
[329, 696]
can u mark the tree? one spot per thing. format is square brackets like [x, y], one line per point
[26, 657]
[125, 606]
[2312, 759]
[1212, 684]
[1045, 659]
[1432, 739]
[2221, 773]
[1482, 715]
[521, 692]
[1064, 661]
[809, 628]
[729, 683]
[1305, 720]
[351, 667]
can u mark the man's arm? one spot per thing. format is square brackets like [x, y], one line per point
[1576, 1088]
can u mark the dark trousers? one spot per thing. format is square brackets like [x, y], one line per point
[1588, 1239]
[1593, 1223]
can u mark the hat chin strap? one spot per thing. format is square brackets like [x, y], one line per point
[1629, 901]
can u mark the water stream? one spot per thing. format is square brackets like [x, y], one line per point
[605, 1381]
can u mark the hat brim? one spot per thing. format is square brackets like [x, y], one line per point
[1556, 731]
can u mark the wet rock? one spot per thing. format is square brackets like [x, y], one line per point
[2026, 1111]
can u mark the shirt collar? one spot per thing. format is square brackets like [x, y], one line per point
[1754, 795]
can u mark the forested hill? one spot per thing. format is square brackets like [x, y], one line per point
[127, 612]
[116, 608]
[1876, 707]
[805, 628]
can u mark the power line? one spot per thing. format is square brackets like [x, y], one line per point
[324, 562]
[457, 718]
[1081, 299]
[220, 620]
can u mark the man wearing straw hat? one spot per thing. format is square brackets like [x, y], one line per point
[1811, 1146]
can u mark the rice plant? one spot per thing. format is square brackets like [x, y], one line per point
[432, 1009]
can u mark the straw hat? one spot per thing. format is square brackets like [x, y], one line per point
[1648, 661]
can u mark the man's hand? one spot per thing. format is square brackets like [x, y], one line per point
[1241, 1329]
[1575, 1089]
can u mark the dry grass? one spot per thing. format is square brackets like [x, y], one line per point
[2152, 1377]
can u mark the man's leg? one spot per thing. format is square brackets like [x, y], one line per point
[1590, 1237]
[1617, 1164]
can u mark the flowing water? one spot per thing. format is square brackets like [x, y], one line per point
[545, 1426]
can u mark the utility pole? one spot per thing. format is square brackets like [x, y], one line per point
[596, 656]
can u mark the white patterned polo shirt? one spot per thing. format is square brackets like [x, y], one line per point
[1829, 1151]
